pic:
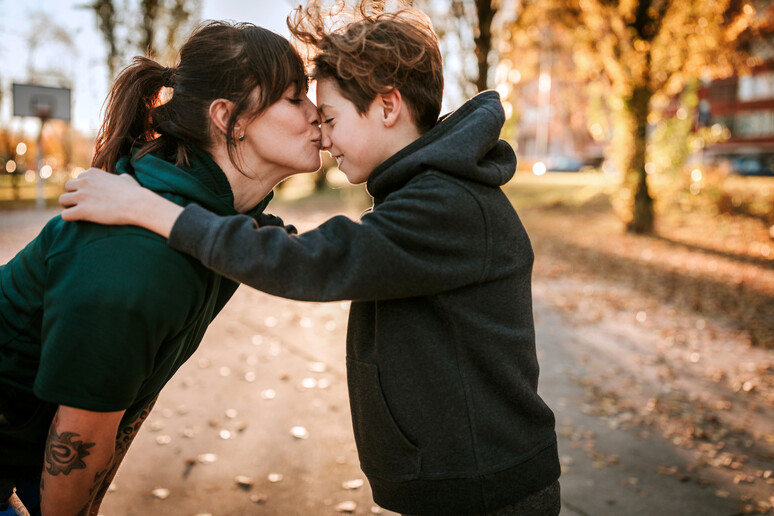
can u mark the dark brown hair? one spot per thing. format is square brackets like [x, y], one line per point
[374, 52]
[219, 60]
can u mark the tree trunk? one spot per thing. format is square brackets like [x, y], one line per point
[483, 40]
[636, 109]
[106, 19]
[150, 12]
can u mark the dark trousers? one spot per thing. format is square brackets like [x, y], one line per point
[546, 502]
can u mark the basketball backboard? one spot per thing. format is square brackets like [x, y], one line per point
[41, 101]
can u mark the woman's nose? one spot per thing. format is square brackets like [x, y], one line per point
[314, 116]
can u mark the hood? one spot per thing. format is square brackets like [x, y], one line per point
[465, 143]
[202, 181]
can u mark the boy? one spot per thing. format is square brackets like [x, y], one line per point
[441, 361]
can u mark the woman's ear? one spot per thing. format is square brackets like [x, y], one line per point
[392, 105]
[220, 113]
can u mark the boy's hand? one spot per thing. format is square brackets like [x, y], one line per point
[98, 196]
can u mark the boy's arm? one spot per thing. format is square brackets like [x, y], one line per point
[430, 238]
[79, 453]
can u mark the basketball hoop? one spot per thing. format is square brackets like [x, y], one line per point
[43, 106]
[41, 101]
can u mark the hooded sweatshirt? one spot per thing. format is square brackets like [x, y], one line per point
[100, 317]
[441, 361]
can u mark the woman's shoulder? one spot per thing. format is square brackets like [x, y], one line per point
[133, 248]
[121, 257]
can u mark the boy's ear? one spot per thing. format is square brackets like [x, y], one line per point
[220, 112]
[392, 105]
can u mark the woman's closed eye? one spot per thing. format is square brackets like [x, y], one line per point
[328, 121]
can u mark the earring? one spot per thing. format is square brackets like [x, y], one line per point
[241, 138]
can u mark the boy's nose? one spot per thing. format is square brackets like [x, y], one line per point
[325, 143]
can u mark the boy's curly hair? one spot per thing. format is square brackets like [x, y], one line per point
[368, 52]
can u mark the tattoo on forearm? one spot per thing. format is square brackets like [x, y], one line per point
[126, 434]
[64, 453]
[98, 478]
[85, 510]
[124, 438]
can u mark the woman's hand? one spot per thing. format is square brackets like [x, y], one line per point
[98, 196]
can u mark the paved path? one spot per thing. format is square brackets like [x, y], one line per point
[263, 402]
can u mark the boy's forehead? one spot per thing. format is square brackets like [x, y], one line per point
[327, 94]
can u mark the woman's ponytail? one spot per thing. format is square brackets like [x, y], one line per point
[127, 121]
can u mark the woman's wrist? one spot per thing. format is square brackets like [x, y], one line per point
[155, 213]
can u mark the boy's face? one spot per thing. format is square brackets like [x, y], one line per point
[353, 139]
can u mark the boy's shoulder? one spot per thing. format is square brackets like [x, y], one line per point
[437, 179]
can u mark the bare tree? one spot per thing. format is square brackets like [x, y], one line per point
[459, 23]
[46, 31]
[149, 27]
[105, 12]
[182, 15]
[485, 13]
[149, 14]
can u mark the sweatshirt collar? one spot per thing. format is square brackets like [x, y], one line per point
[202, 181]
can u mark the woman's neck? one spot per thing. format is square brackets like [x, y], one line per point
[249, 187]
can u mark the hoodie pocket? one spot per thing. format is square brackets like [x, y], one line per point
[383, 449]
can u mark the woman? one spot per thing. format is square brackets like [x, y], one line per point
[94, 320]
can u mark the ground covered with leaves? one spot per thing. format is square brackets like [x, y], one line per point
[682, 325]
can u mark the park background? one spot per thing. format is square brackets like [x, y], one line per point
[645, 137]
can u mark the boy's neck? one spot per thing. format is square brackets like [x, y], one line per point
[399, 137]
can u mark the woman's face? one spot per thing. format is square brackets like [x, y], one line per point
[283, 140]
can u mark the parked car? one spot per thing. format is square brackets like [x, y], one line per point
[563, 164]
[753, 165]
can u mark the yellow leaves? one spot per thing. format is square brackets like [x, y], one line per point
[741, 23]
[667, 470]
[640, 45]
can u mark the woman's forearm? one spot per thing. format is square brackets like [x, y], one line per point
[79, 452]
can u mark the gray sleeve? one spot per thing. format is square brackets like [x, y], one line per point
[428, 239]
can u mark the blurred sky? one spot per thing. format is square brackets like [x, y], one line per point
[85, 65]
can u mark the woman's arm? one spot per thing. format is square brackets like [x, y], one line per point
[79, 453]
[123, 440]
[98, 196]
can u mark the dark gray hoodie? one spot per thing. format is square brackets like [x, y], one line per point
[441, 361]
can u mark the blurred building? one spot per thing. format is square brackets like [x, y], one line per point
[744, 104]
[553, 125]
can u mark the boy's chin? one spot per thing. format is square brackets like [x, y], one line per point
[354, 178]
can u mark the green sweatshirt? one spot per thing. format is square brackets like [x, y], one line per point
[100, 317]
